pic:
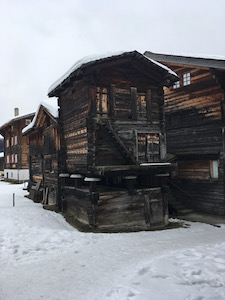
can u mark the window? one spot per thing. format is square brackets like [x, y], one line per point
[7, 143]
[176, 84]
[15, 140]
[16, 158]
[12, 158]
[186, 79]
[214, 169]
[141, 106]
[8, 159]
[148, 147]
[101, 99]
[27, 121]
[12, 139]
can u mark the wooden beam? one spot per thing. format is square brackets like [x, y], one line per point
[149, 105]
[134, 102]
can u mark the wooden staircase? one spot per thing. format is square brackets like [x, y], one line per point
[177, 207]
[119, 143]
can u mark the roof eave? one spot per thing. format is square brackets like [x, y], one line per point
[188, 60]
[56, 89]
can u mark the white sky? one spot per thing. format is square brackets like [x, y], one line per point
[41, 40]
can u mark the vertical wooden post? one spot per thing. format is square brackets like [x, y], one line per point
[92, 101]
[149, 105]
[112, 100]
[134, 102]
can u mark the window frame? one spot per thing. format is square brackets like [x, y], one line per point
[186, 78]
[176, 85]
[27, 121]
[214, 169]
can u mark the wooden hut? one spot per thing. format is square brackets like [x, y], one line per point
[44, 147]
[16, 147]
[113, 144]
[195, 123]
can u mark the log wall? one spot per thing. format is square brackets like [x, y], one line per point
[73, 115]
[44, 158]
[194, 122]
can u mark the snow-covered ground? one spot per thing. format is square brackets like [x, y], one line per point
[43, 257]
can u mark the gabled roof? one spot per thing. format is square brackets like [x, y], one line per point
[98, 61]
[207, 62]
[50, 108]
[15, 120]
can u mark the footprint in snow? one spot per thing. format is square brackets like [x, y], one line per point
[143, 271]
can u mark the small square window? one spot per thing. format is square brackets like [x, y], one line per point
[28, 121]
[186, 79]
[176, 84]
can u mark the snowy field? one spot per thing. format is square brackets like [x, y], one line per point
[43, 257]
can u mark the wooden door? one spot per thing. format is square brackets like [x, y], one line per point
[153, 207]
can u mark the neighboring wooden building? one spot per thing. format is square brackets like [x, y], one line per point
[1, 165]
[113, 132]
[195, 123]
[44, 147]
[1, 157]
[16, 148]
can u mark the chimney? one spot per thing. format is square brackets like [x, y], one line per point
[16, 111]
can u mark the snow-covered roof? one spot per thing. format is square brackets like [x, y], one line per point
[78, 64]
[50, 105]
[19, 117]
[210, 61]
[204, 56]
[94, 58]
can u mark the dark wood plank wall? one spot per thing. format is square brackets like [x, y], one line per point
[36, 169]
[36, 141]
[116, 209]
[122, 210]
[194, 133]
[193, 115]
[198, 189]
[129, 121]
[44, 149]
[73, 114]
[107, 153]
[79, 205]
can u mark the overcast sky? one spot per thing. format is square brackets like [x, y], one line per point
[40, 40]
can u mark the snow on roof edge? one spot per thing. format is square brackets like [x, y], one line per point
[161, 65]
[53, 110]
[97, 57]
[79, 63]
[189, 55]
[17, 118]
[203, 56]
